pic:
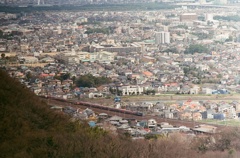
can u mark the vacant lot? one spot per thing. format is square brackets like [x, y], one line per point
[222, 122]
[167, 97]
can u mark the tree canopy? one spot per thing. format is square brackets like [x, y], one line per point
[98, 30]
[196, 48]
[91, 81]
[228, 18]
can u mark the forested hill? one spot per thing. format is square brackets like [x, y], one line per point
[28, 128]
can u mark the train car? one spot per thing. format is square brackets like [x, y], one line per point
[139, 113]
[88, 104]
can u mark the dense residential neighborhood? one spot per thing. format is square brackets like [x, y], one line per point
[102, 54]
[120, 78]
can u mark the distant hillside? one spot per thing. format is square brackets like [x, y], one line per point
[29, 129]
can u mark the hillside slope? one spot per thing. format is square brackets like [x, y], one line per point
[29, 129]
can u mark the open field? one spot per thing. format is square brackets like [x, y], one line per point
[228, 97]
[235, 123]
[165, 97]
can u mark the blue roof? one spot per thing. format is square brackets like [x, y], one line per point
[92, 123]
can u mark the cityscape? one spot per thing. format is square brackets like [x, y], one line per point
[147, 74]
[84, 2]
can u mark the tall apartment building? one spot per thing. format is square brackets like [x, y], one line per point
[162, 37]
[208, 17]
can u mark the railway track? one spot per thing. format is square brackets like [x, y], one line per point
[174, 122]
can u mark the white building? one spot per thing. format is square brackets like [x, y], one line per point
[208, 17]
[202, 67]
[152, 123]
[29, 59]
[105, 57]
[221, 2]
[162, 37]
[76, 57]
[131, 90]
[238, 37]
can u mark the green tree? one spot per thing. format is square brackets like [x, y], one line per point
[91, 81]
[196, 48]
[3, 55]
[63, 77]
[29, 75]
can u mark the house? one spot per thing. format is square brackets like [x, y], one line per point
[228, 110]
[207, 91]
[147, 74]
[202, 67]
[103, 88]
[142, 123]
[148, 59]
[186, 116]
[54, 82]
[168, 115]
[95, 95]
[36, 90]
[195, 89]
[89, 112]
[47, 60]
[115, 118]
[103, 115]
[208, 114]
[145, 106]
[105, 57]
[67, 82]
[197, 116]
[188, 59]
[221, 91]
[165, 125]
[219, 116]
[29, 59]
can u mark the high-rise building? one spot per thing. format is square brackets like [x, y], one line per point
[162, 37]
[208, 17]
[202, 1]
[41, 2]
[238, 37]
[220, 2]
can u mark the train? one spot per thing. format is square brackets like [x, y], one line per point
[92, 105]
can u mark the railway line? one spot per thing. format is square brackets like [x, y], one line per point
[125, 114]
